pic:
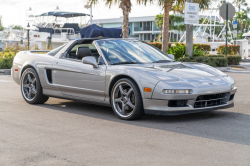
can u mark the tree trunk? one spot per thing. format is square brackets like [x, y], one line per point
[125, 5]
[166, 7]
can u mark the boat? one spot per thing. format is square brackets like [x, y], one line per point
[54, 26]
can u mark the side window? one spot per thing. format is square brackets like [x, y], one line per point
[72, 53]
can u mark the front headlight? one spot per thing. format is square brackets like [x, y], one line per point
[233, 86]
[177, 91]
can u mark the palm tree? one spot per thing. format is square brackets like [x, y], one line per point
[167, 5]
[159, 21]
[241, 17]
[240, 3]
[125, 5]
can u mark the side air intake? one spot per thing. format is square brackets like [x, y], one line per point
[49, 75]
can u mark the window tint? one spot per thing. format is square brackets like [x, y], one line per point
[55, 51]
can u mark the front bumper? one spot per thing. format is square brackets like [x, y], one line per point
[160, 107]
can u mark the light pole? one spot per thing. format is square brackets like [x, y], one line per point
[28, 35]
[189, 37]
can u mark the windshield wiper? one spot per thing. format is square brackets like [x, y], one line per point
[118, 63]
[163, 61]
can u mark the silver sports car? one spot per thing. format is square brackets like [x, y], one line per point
[130, 75]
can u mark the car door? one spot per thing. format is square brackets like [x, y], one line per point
[77, 80]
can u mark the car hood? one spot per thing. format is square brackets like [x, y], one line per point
[194, 74]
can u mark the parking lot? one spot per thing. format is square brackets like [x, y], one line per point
[64, 132]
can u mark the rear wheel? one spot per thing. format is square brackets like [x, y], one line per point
[31, 88]
[126, 100]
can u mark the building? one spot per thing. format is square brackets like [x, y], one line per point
[143, 28]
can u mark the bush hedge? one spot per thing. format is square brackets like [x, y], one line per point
[212, 61]
[204, 47]
[231, 49]
[232, 59]
[6, 59]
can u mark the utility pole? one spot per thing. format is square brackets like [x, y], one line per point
[189, 37]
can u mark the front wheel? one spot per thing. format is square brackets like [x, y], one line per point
[31, 87]
[126, 100]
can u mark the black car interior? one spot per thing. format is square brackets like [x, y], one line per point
[83, 49]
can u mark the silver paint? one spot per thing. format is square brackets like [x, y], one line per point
[77, 81]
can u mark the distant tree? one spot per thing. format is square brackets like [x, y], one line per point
[240, 3]
[18, 27]
[167, 5]
[1, 28]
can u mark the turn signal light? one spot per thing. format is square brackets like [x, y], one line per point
[147, 89]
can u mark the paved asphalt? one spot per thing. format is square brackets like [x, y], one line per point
[63, 132]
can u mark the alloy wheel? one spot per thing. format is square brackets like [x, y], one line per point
[124, 99]
[29, 86]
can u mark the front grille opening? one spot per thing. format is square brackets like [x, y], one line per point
[211, 100]
[231, 97]
[177, 103]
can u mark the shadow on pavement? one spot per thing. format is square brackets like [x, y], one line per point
[218, 125]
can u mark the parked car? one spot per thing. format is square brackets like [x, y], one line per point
[130, 75]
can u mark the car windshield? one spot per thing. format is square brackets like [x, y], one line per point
[131, 52]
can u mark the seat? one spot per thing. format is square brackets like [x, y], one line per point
[81, 52]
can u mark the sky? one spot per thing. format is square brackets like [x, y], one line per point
[14, 11]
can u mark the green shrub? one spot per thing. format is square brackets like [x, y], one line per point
[156, 44]
[218, 55]
[212, 61]
[6, 60]
[233, 59]
[203, 47]
[231, 49]
[178, 50]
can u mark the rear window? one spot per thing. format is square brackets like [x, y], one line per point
[55, 51]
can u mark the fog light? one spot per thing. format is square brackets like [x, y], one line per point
[180, 91]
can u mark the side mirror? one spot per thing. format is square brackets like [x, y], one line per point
[171, 56]
[90, 60]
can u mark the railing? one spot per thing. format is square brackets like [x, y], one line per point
[147, 28]
[69, 31]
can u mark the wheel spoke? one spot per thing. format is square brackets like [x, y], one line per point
[123, 109]
[130, 104]
[121, 90]
[34, 80]
[26, 91]
[119, 100]
[34, 91]
[29, 94]
[130, 90]
[29, 78]
[26, 85]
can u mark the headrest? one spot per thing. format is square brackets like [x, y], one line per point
[81, 52]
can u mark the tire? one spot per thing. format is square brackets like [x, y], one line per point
[127, 102]
[31, 87]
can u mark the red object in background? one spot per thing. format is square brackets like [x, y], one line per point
[16, 69]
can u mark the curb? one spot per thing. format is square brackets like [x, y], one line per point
[245, 60]
[5, 71]
[238, 66]
[224, 68]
